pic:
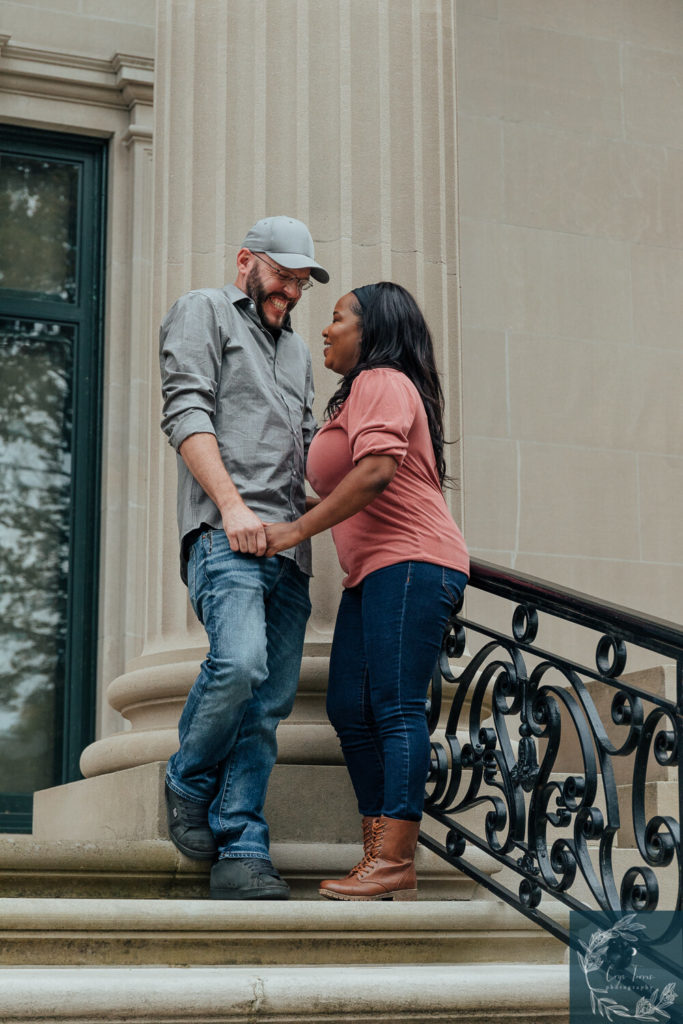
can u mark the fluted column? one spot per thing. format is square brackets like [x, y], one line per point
[340, 113]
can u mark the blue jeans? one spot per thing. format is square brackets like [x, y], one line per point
[254, 611]
[386, 642]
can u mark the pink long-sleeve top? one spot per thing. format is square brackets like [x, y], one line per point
[409, 520]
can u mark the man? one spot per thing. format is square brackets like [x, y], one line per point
[238, 393]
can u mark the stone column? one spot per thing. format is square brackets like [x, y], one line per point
[341, 113]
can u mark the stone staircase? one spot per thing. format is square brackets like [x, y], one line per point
[101, 919]
[157, 960]
[191, 933]
[286, 995]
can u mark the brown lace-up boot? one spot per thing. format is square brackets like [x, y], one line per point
[387, 871]
[369, 824]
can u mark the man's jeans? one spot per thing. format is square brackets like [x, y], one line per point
[386, 641]
[254, 611]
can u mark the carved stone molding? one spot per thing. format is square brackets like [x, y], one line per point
[120, 81]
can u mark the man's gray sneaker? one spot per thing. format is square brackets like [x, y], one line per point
[188, 826]
[248, 879]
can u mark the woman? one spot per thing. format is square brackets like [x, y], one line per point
[378, 465]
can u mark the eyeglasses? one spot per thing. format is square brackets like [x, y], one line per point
[301, 286]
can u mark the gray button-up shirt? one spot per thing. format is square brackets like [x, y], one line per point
[223, 373]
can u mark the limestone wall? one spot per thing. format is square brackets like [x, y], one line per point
[515, 163]
[570, 143]
[93, 28]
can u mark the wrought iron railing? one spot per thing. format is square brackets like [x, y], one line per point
[560, 787]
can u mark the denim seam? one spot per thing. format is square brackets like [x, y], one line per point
[406, 776]
[366, 702]
[282, 571]
[227, 778]
[201, 681]
[372, 727]
[446, 588]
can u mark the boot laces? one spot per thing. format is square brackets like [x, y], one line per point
[372, 848]
[259, 866]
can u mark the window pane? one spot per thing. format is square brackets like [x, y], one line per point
[38, 224]
[35, 476]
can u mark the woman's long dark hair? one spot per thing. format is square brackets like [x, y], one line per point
[394, 334]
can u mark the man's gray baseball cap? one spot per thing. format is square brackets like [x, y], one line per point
[288, 242]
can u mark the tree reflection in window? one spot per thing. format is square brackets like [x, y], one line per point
[38, 226]
[35, 471]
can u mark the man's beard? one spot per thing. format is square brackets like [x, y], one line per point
[258, 294]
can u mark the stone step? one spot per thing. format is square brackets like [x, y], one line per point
[175, 933]
[154, 868]
[414, 994]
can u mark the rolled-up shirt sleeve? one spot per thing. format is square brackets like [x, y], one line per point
[381, 411]
[190, 354]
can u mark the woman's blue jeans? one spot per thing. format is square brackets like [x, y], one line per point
[386, 642]
[254, 611]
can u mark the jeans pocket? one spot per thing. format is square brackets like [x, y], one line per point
[192, 577]
[454, 583]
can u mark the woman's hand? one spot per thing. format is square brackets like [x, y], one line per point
[280, 536]
[358, 488]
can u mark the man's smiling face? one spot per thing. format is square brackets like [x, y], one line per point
[274, 296]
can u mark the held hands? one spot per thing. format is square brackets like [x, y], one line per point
[248, 534]
[244, 530]
[280, 536]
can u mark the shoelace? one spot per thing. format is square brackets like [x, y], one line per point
[261, 867]
[372, 850]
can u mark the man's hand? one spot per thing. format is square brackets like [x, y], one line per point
[281, 536]
[244, 529]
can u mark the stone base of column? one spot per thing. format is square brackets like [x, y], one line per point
[305, 803]
[151, 695]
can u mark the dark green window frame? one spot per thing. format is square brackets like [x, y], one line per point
[86, 314]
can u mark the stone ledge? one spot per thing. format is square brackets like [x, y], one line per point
[318, 995]
[61, 932]
[121, 81]
[154, 868]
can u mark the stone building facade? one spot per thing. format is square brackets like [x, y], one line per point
[514, 163]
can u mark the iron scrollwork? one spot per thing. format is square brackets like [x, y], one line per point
[527, 771]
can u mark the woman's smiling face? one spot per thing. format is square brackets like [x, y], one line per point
[342, 337]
